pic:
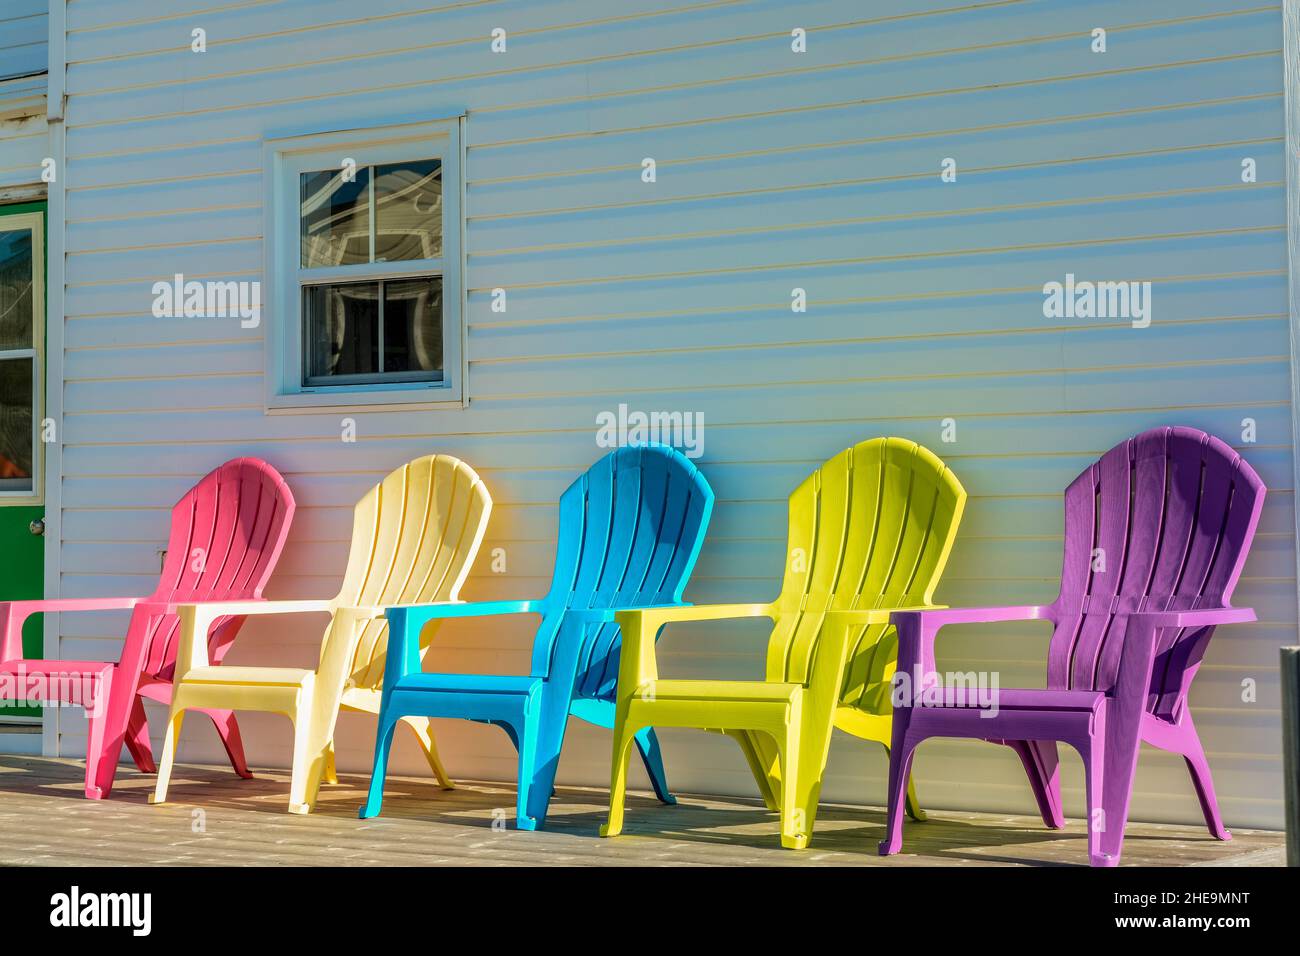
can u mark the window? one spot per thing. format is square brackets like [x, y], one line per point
[383, 330]
[365, 265]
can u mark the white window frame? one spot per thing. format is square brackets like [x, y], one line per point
[35, 222]
[284, 159]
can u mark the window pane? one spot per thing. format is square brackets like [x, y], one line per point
[335, 218]
[413, 326]
[16, 425]
[408, 206]
[342, 334]
[16, 289]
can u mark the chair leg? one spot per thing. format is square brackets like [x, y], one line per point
[757, 766]
[95, 734]
[1042, 766]
[137, 738]
[540, 752]
[913, 804]
[795, 822]
[171, 734]
[424, 733]
[311, 744]
[900, 773]
[1122, 745]
[1093, 754]
[107, 733]
[1187, 742]
[383, 743]
[647, 744]
[527, 748]
[300, 765]
[624, 738]
[228, 731]
[807, 788]
[1109, 762]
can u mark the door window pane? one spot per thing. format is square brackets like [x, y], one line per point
[413, 325]
[16, 289]
[408, 207]
[342, 329]
[335, 218]
[16, 424]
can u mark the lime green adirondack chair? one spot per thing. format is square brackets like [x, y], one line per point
[870, 533]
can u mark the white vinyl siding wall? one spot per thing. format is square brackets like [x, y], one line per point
[24, 36]
[23, 139]
[775, 170]
[24, 32]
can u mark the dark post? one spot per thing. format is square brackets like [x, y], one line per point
[1291, 750]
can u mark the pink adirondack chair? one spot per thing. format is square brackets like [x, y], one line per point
[226, 536]
[1156, 534]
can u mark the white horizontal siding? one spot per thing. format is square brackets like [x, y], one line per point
[775, 170]
[23, 144]
[24, 37]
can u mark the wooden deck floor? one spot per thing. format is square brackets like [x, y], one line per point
[217, 819]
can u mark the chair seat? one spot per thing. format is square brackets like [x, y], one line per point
[255, 676]
[759, 691]
[519, 684]
[1018, 698]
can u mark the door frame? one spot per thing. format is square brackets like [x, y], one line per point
[32, 215]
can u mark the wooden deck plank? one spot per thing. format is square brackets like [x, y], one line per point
[45, 820]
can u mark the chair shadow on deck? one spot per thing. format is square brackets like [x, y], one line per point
[735, 822]
[57, 778]
[745, 823]
[841, 830]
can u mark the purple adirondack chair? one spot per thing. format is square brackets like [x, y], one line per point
[1156, 534]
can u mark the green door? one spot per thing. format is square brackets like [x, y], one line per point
[22, 373]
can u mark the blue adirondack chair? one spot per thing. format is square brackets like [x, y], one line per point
[630, 531]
